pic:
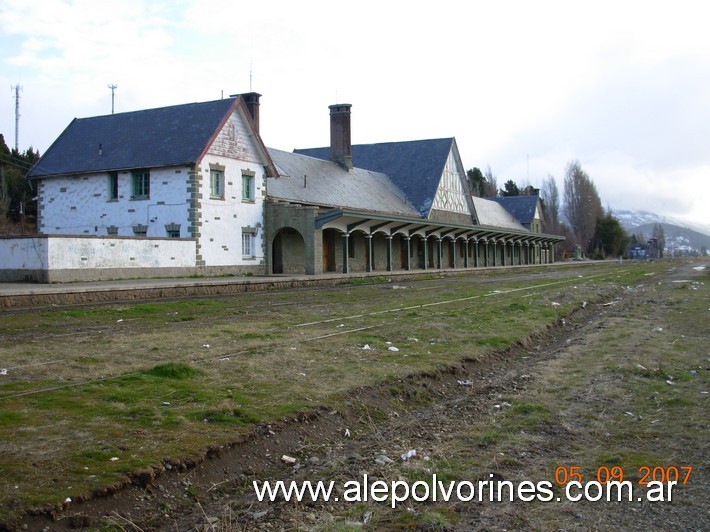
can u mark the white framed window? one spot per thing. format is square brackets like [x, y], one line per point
[216, 184]
[141, 185]
[247, 245]
[247, 186]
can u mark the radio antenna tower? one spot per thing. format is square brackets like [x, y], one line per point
[113, 87]
[17, 90]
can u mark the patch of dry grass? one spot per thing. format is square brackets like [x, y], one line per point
[83, 404]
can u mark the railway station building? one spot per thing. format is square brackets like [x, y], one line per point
[193, 190]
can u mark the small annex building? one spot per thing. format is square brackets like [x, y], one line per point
[192, 190]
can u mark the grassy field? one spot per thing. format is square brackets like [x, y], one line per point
[93, 393]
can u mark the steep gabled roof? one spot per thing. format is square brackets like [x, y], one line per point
[523, 208]
[166, 136]
[313, 181]
[414, 166]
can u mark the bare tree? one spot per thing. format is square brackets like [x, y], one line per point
[490, 190]
[550, 196]
[582, 206]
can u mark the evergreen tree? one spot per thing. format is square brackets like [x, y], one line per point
[477, 181]
[18, 207]
[610, 237]
[510, 189]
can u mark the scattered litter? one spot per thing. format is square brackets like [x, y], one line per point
[288, 459]
[412, 339]
[165, 403]
[393, 348]
[639, 366]
[655, 421]
[670, 382]
[67, 500]
[119, 321]
[113, 459]
[347, 433]
[339, 326]
[699, 268]
[224, 358]
[465, 383]
[658, 329]
[409, 454]
[301, 373]
[206, 346]
[610, 303]
[630, 414]
[3, 371]
[584, 304]
[366, 518]
[388, 343]
[366, 347]
[555, 304]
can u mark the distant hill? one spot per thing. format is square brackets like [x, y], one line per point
[679, 235]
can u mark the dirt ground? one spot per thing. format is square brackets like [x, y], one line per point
[617, 383]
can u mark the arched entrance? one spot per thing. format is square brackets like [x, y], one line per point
[332, 242]
[288, 252]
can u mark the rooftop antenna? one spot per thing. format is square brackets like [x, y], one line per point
[17, 88]
[113, 87]
[250, 76]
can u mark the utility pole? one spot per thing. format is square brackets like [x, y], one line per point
[113, 87]
[17, 90]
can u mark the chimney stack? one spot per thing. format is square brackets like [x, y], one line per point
[341, 151]
[251, 99]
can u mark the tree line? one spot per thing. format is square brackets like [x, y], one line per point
[18, 202]
[589, 229]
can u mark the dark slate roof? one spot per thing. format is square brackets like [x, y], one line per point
[314, 181]
[492, 214]
[414, 166]
[151, 138]
[521, 207]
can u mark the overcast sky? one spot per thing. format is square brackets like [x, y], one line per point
[524, 86]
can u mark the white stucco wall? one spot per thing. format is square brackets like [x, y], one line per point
[23, 253]
[80, 205]
[72, 258]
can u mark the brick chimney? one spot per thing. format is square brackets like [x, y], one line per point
[341, 151]
[251, 99]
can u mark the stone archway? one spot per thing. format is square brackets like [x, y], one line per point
[288, 252]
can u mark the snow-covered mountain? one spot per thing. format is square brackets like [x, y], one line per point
[679, 235]
[633, 219]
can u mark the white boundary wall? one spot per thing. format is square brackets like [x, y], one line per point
[57, 258]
